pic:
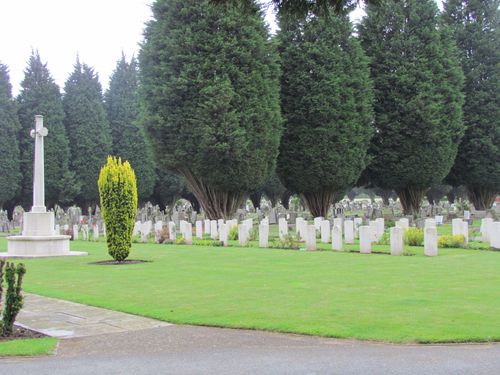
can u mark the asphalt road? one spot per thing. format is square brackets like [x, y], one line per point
[202, 350]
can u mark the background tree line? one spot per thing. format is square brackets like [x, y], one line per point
[217, 110]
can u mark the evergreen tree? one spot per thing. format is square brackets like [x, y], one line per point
[477, 166]
[273, 189]
[88, 130]
[40, 95]
[168, 188]
[326, 99]
[129, 141]
[10, 172]
[209, 81]
[418, 99]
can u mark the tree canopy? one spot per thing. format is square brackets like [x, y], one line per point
[210, 87]
[475, 26]
[326, 100]
[418, 98]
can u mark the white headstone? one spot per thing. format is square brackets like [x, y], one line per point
[214, 233]
[337, 238]
[357, 223]
[439, 219]
[301, 228]
[206, 225]
[311, 237]
[243, 234]
[456, 227]
[349, 231]
[85, 232]
[263, 235]
[282, 228]
[137, 228]
[365, 239]
[403, 223]
[317, 222]
[58, 229]
[75, 232]
[325, 231]
[465, 232]
[374, 230]
[224, 234]
[466, 215]
[495, 235]
[199, 229]
[220, 222]
[171, 231]
[380, 227]
[485, 228]
[397, 244]
[430, 241]
[188, 233]
[95, 230]
[339, 222]
[430, 223]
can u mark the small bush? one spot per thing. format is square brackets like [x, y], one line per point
[451, 241]
[253, 235]
[118, 194]
[180, 241]
[414, 237]
[289, 241]
[233, 233]
[13, 297]
[208, 243]
[385, 239]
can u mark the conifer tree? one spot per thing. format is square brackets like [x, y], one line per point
[418, 98]
[475, 25]
[10, 172]
[326, 99]
[40, 95]
[127, 132]
[209, 81]
[87, 128]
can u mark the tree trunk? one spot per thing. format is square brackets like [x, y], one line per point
[411, 199]
[256, 198]
[385, 195]
[319, 202]
[451, 196]
[217, 204]
[481, 197]
[285, 199]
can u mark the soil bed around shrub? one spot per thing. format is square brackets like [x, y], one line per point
[122, 263]
[22, 333]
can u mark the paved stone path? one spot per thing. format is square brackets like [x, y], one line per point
[65, 319]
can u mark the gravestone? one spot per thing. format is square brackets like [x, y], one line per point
[282, 228]
[199, 229]
[311, 237]
[337, 238]
[264, 235]
[403, 223]
[485, 228]
[171, 231]
[325, 231]
[365, 239]
[188, 233]
[374, 230]
[456, 227]
[430, 241]
[85, 232]
[214, 233]
[95, 232]
[349, 231]
[206, 226]
[430, 223]
[243, 234]
[75, 232]
[465, 232]
[495, 235]
[224, 234]
[397, 244]
[317, 222]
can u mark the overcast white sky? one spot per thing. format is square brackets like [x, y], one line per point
[97, 30]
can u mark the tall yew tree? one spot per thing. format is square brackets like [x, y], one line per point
[129, 139]
[40, 95]
[326, 99]
[418, 100]
[88, 130]
[477, 166]
[10, 172]
[209, 79]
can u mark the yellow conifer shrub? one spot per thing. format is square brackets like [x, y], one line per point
[118, 194]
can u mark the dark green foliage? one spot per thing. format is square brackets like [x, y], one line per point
[118, 198]
[326, 99]
[87, 128]
[437, 192]
[418, 114]
[168, 188]
[40, 96]
[273, 189]
[13, 297]
[210, 86]
[475, 26]
[129, 140]
[301, 8]
[255, 198]
[10, 173]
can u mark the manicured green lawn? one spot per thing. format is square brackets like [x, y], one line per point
[28, 347]
[454, 297]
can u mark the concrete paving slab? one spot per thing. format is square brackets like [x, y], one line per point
[66, 319]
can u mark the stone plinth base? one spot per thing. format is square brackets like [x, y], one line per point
[38, 246]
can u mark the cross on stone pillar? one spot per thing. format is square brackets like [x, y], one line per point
[38, 169]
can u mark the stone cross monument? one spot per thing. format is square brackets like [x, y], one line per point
[38, 237]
